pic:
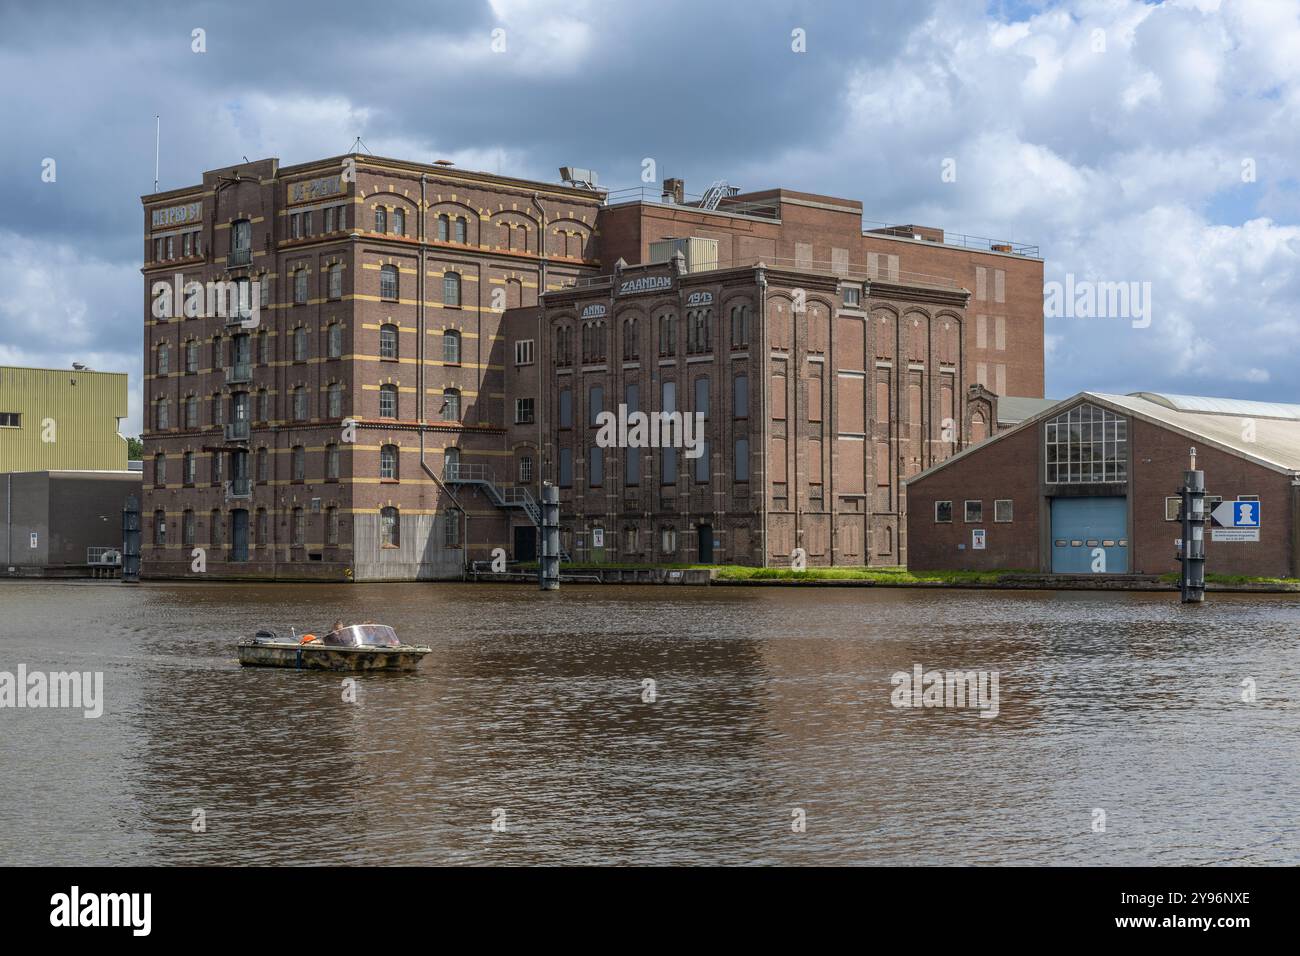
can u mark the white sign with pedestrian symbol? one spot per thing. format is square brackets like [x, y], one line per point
[1235, 521]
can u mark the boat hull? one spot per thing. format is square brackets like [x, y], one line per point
[404, 657]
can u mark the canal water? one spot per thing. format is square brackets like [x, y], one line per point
[1121, 734]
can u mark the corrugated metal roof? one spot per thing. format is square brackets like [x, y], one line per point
[1221, 406]
[1271, 440]
[1013, 409]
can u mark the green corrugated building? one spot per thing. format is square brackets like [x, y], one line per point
[61, 420]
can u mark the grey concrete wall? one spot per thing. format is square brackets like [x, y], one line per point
[69, 511]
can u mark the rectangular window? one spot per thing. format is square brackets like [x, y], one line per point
[740, 396]
[306, 223]
[525, 469]
[1002, 510]
[702, 396]
[523, 411]
[524, 352]
[595, 403]
[632, 466]
[974, 512]
[741, 465]
[566, 468]
[329, 218]
[11, 419]
[300, 287]
[943, 512]
[1174, 508]
[667, 466]
[632, 398]
[566, 408]
[702, 463]
[595, 466]
[852, 296]
[295, 226]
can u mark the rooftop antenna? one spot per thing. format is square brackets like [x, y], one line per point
[359, 142]
[157, 147]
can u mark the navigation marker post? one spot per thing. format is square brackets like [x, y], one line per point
[1192, 553]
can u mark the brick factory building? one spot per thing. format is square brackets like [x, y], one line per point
[1091, 486]
[430, 344]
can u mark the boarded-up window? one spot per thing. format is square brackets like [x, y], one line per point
[882, 463]
[803, 255]
[914, 403]
[881, 412]
[778, 397]
[1000, 379]
[981, 283]
[839, 261]
[982, 373]
[999, 285]
[815, 462]
[778, 462]
[1000, 333]
[814, 398]
[851, 398]
[850, 469]
[981, 331]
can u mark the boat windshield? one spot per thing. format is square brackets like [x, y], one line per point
[363, 635]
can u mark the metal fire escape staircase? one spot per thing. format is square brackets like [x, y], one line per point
[506, 498]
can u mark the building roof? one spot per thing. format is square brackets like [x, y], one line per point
[1263, 432]
[1012, 409]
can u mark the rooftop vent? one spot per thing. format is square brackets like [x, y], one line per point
[577, 176]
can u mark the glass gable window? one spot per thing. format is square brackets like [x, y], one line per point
[1086, 445]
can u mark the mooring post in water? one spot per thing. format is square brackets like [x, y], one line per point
[131, 540]
[1193, 551]
[548, 569]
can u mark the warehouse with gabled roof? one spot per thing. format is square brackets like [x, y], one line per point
[1090, 485]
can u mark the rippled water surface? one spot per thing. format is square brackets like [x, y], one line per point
[769, 699]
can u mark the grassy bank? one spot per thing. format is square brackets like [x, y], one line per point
[883, 576]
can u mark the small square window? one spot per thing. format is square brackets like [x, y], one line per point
[943, 512]
[1002, 510]
[974, 512]
[1173, 508]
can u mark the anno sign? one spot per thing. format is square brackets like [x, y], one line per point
[177, 215]
[645, 284]
[699, 298]
[594, 311]
[315, 188]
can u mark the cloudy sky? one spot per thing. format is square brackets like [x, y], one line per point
[1130, 141]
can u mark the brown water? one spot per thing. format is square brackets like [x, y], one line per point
[768, 700]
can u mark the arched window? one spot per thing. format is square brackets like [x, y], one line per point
[164, 358]
[739, 326]
[335, 396]
[388, 462]
[300, 344]
[264, 405]
[388, 282]
[390, 528]
[388, 401]
[451, 404]
[263, 465]
[667, 334]
[187, 528]
[159, 470]
[336, 281]
[300, 287]
[451, 463]
[192, 356]
[192, 412]
[299, 529]
[299, 467]
[451, 347]
[160, 528]
[188, 468]
[264, 347]
[462, 229]
[451, 288]
[300, 403]
[334, 340]
[381, 219]
[161, 417]
[399, 222]
[332, 462]
[216, 528]
[388, 341]
[631, 342]
[444, 227]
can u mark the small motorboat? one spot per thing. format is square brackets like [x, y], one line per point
[357, 647]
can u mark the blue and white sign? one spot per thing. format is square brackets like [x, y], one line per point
[1236, 514]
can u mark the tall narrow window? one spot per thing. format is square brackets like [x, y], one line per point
[334, 340]
[451, 347]
[160, 528]
[451, 289]
[300, 404]
[388, 462]
[300, 287]
[159, 470]
[336, 281]
[740, 467]
[388, 401]
[399, 222]
[388, 282]
[299, 458]
[164, 358]
[451, 405]
[332, 462]
[461, 230]
[332, 525]
[444, 227]
[335, 394]
[381, 219]
[300, 344]
[390, 534]
[388, 341]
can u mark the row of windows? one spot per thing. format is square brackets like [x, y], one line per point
[299, 406]
[699, 336]
[1002, 511]
[389, 465]
[699, 468]
[302, 223]
[390, 286]
[390, 528]
[187, 243]
[667, 399]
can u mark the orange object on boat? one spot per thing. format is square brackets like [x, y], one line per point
[309, 639]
